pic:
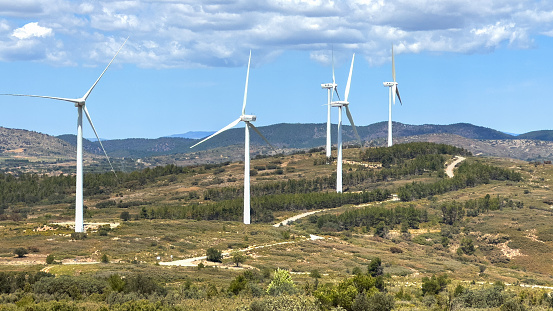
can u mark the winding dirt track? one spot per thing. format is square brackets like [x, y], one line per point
[294, 218]
[450, 167]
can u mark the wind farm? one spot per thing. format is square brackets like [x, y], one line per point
[443, 205]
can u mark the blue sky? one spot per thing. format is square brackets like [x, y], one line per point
[183, 69]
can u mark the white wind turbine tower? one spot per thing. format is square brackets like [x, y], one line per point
[246, 119]
[393, 92]
[331, 87]
[340, 104]
[80, 103]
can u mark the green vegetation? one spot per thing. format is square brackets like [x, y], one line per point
[214, 255]
[461, 243]
[20, 252]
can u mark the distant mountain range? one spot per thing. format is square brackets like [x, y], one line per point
[22, 145]
[193, 134]
[291, 136]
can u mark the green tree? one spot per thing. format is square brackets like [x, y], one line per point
[281, 283]
[20, 252]
[116, 283]
[238, 258]
[50, 259]
[104, 259]
[467, 246]
[381, 229]
[214, 255]
[375, 267]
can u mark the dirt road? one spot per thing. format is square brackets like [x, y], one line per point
[193, 262]
[451, 166]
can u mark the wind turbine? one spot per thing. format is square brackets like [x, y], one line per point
[393, 92]
[340, 104]
[246, 119]
[331, 87]
[80, 103]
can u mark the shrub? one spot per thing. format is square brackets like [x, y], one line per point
[139, 283]
[434, 285]
[78, 235]
[380, 302]
[512, 305]
[315, 274]
[125, 216]
[33, 249]
[214, 255]
[396, 250]
[116, 283]
[104, 259]
[68, 286]
[20, 252]
[238, 284]
[50, 259]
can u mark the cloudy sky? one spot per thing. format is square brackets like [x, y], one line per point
[485, 62]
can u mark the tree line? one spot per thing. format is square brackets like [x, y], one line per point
[469, 174]
[411, 167]
[400, 152]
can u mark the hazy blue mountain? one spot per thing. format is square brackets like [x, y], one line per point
[193, 134]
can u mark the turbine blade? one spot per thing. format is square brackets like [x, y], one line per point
[333, 79]
[393, 65]
[71, 100]
[353, 125]
[259, 133]
[397, 93]
[98, 137]
[100, 77]
[349, 77]
[246, 88]
[233, 124]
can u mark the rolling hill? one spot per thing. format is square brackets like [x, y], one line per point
[282, 135]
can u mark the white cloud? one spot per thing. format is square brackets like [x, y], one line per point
[31, 30]
[216, 33]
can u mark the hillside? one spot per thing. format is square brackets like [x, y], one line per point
[480, 240]
[33, 144]
[546, 135]
[523, 149]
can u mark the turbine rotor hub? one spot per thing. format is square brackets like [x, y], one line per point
[248, 118]
[328, 85]
[341, 103]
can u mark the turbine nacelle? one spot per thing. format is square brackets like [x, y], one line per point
[247, 118]
[341, 103]
[79, 102]
[329, 85]
[390, 84]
